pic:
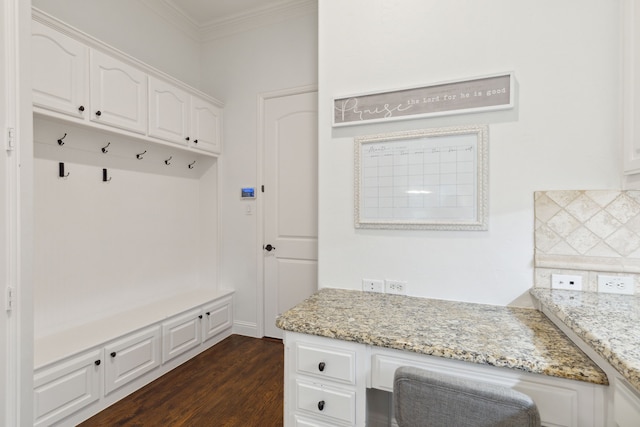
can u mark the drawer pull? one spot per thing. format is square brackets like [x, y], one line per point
[113, 354]
[321, 405]
[321, 366]
[97, 362]
[98, 113]
[200, 317]
[81, 108]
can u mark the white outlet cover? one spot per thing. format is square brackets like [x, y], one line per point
[566, 281]
[615, 284]
[373, 285]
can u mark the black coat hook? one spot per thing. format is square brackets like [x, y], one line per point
[191, 164]
[168, 161]
[61, 173]
[60, 141]
[104, 176]
[104, 149]
[139, 156]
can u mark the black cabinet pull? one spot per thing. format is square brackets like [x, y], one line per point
[269, 247]
[97, 362]
[321, 366]
[321, 405]
[187, 138]
[113, 354]
[81, 108]
[98, 113]
[200, 317]
[195, 141]
[208, 313]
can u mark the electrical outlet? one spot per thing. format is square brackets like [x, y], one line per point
[373, 285]
[397, 287]
[566, 281]
[615, 284]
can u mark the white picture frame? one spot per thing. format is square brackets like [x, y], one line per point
[430, 179]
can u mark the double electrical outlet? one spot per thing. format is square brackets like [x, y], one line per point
[609, 284]
[397, 287]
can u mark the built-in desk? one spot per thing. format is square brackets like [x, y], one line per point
[340, 345]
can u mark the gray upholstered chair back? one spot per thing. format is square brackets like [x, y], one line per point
[425, 398]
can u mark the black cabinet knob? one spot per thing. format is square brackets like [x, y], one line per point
[98, 113]
[113, 354]
[208, 313]
[97, 362]
[200, 317]
[269, 247]
[321, 405]
[195, 141]
[321, 366]
[187, 138]
[81, 108]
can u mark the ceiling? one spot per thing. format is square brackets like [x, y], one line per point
[206, 12]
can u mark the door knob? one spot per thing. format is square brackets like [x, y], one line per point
[269, 247]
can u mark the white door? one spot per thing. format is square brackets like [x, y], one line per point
[290, 203]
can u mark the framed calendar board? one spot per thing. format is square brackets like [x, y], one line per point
[432, 179]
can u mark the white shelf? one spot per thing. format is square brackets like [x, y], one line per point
[83, 337]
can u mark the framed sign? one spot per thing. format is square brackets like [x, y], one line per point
[433, 179]
[487, 93]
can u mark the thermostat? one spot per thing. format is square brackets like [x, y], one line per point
[248, 193]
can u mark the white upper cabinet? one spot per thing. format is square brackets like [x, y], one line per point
[206, 125]
[168, 112]
[118, 93]
[74, 76]
[59, 71]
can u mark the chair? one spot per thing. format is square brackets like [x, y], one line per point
[426, 398]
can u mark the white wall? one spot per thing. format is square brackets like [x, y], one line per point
[563, 133]
[135, 29]
[237, 68]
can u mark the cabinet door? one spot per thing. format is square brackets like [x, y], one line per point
[218, 316]
[59, 71]
[206, 125]
[66, 387]
[626, 405]
[118, 93]
[131, 357]
[168, 112]
[181, 334]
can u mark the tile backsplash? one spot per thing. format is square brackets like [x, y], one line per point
[586, 233]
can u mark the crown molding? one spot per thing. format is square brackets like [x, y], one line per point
[257, 18]
[172, 13]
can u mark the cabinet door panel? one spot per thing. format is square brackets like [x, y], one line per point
[65, 388]
[218, 317]
[131, 358]
[59, 71]
[180, 334]
[118, 93]
[168, 112]
[206, 125]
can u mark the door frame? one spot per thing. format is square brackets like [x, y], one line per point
[260, 285]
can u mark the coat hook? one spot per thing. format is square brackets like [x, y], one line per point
[168, 161]
[60, 141]
[61, 173]
[139, 156]
[104, 176]
[191, 164]
[104, 149]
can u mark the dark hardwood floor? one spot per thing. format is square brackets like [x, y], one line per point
[238, 382]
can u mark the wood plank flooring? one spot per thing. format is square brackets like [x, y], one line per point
[238, 382]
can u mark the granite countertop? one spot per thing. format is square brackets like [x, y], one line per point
[608, 323]
[509, 337]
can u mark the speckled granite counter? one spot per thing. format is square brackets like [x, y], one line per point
[608, 323]
[516, 338]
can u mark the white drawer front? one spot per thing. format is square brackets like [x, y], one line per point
[326, 402]
[325, 362]
[299, 421]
